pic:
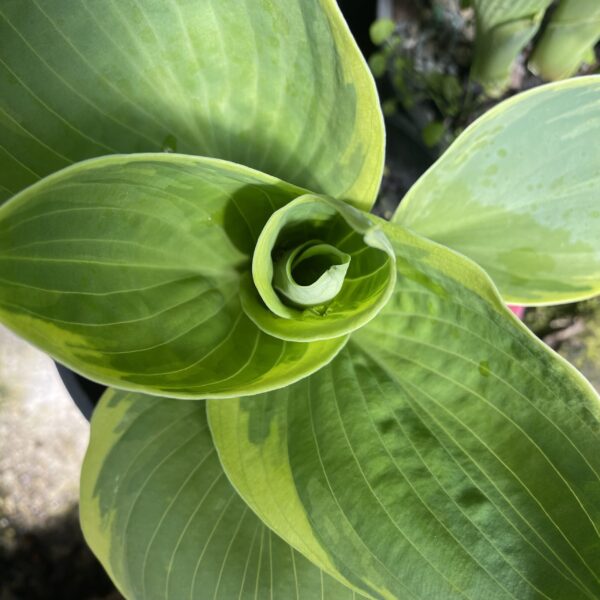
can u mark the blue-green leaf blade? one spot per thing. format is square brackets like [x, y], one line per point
[278, 86]
[518, 193]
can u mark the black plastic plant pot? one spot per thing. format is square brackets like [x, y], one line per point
[85, 393]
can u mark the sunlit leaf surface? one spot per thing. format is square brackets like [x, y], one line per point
[159, 512]
[445, 453]
[519, 193]
[128, 269]
[276, 85]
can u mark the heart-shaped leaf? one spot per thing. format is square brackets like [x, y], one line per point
[128, 269]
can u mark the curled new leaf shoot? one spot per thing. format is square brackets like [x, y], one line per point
[320, 270]
[311, 274]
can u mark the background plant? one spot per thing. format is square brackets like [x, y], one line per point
[504, 28]
[568, 40]
[443, 452]
[443, 63]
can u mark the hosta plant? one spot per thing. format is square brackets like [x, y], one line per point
[505, 27]
[568, 39]
[305, 401]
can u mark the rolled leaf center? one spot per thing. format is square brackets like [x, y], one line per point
[310, 274]
[320, 269]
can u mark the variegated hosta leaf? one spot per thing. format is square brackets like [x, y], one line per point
[278, 85]
[504, 27]
[571, 32]
[128, 269]
[160, 514]
[519, 193]
[444, 453]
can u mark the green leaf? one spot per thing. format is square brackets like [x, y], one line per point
[368, 275]
[381, 30]
[378, 64]
[572, 31]
[504, 27]
[128, 268]
[433, 133]
[160, 514]
[518, 193]
[278, 85]
[444, 453]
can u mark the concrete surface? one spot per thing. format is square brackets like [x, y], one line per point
[42, 439]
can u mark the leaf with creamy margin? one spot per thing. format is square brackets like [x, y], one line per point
[128, 268]
[160, 514]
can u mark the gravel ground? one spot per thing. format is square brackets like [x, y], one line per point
[42, 443]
